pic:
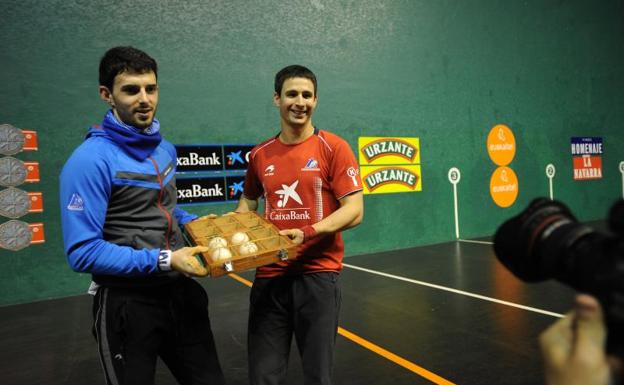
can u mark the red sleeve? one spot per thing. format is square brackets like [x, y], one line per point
[252, 188]
[344, 170]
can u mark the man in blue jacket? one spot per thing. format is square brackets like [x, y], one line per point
[121, 224]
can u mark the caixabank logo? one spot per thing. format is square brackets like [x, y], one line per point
[237, 156]
[390, 164]
[209, 189]
[197, 158]
[211, 173]
[212, 158]
[201, 190]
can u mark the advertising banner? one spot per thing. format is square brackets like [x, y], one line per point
[391, 179]
[587, 157]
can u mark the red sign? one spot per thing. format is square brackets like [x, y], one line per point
[32, 172]
[37, 233]
[587, 157]
[36, 202]
[30, 140]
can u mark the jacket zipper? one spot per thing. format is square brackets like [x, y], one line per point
[160, 206]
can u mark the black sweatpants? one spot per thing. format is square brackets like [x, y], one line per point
[304, 305]
[135, 326]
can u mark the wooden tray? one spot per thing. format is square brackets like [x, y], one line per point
[272, 247]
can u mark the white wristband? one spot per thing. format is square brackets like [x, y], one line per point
[164, 260]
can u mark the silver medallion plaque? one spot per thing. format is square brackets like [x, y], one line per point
[15, 235]
[12, 171]
[11, 139]
[14, 203]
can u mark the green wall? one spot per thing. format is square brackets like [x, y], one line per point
[445, 71]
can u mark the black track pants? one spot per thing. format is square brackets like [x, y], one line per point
[304, 305]
[135, 326]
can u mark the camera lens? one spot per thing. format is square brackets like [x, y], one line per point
[545, 241]
[616, 217]
[521, 242]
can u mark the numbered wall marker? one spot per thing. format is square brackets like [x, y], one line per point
[550, 174]
[454, 177]
[622, 172]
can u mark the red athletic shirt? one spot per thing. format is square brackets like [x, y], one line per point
[301, 184]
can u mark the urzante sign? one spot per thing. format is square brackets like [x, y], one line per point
[390, 164]
[391, 179]
[384, 150]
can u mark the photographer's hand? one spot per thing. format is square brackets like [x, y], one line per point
[574, 347]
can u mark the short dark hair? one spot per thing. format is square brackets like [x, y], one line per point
[293, 71]
[120, 59]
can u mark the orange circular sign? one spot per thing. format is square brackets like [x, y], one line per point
[504, 186]
[501, 145]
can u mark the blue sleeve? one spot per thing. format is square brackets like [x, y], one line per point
[85, 187]
[182, 216]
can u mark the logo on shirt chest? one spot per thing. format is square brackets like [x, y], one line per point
[289, 204]
[269, 170]
[311, 165]
[288, 192]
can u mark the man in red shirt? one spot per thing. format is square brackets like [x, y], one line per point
[312, 190]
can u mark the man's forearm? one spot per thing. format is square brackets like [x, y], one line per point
[349, 215]
[341, 219]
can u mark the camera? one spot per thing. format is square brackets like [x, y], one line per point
[545, 241]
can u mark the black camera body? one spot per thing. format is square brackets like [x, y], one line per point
[545, 241]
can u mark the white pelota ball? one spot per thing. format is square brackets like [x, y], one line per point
[217, 242]
[239, 238]
[248, 248]
[221, 254]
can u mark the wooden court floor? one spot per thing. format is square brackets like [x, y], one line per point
[440, 314]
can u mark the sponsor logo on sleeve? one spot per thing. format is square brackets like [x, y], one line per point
[76, 203]
[353, 172]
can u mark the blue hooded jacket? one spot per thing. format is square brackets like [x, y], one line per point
[118, 211]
